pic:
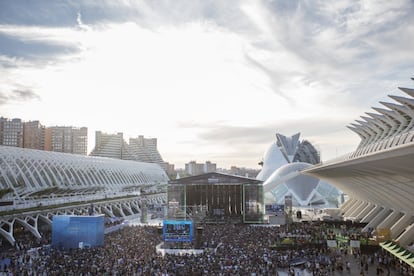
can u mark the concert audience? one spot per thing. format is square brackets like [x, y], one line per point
[229, 249]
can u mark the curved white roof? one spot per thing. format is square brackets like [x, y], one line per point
[378, 176]
[272, 160]
[391, 126]
[287, 150]
[27, 171]
[305, 189]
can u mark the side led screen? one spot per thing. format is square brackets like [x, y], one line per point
[178, 231]
[75, 231]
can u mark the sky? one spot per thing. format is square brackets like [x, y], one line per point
[210, 79]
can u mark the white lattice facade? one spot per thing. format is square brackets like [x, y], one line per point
[26, 173]
[388, 128]
[379, 176]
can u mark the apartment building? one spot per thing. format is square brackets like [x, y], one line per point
[11, 132]
[34, 135]
[67, 139]
[194, 168]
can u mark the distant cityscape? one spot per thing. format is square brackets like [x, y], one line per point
[74, 140]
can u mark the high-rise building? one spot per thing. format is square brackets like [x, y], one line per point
[194, 168]
[139, 149]
[210, 167]
[11, 132]
[246, 172]
[67, 139]
[80, 140]
[144, 149]
[169, 168]
[109, 145]
[33, 135]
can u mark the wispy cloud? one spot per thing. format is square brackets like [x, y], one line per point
[250, 142]
[340, 47]
[25, 94]
[17, 96]
[238, 71]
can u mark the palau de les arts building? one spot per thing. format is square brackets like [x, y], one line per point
[282, 165]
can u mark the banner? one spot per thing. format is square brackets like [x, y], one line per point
[355, 243]
[331, 243]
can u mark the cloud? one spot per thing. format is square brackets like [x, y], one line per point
[3, 99]
[40, 13]
[25, 94]
[68, 37]
[9, 63]
[275, 77]
[35, 50]
[260, 136]
[17, 95]
[242, 144]
[81, 25]
[241, 70]
[340, 47]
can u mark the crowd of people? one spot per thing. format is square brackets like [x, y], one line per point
[229, 249]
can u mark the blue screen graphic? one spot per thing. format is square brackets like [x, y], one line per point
[71, 231]
[178, 230]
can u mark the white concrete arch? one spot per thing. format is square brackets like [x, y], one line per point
[409, 110]
[380, 171]
[29, 171]
[374, 125]
[384, 121]
[401, 115]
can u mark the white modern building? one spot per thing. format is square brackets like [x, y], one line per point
[27, 174]
[287, 150]
[379, 175]
[282, 164]
[305, 190]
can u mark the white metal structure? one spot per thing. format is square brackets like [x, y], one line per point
[27, 173]
[379, 175]
[306, 191]
[391, 127]
[282, 163]
[286, 150]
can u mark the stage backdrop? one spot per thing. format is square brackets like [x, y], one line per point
[70, 231]
[219, 196]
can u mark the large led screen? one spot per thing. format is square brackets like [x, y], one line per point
[178, 230]
[75, 231]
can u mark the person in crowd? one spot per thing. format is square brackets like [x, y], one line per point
[228, 249]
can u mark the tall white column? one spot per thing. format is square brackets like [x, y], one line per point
[7, 234]
[407, 237]
[352, 208]
[390, 220]
[365, 211]
[371, 214]
[348, 204]
[358, 209]
[31, 228]
[399, 226]
[377, 219]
